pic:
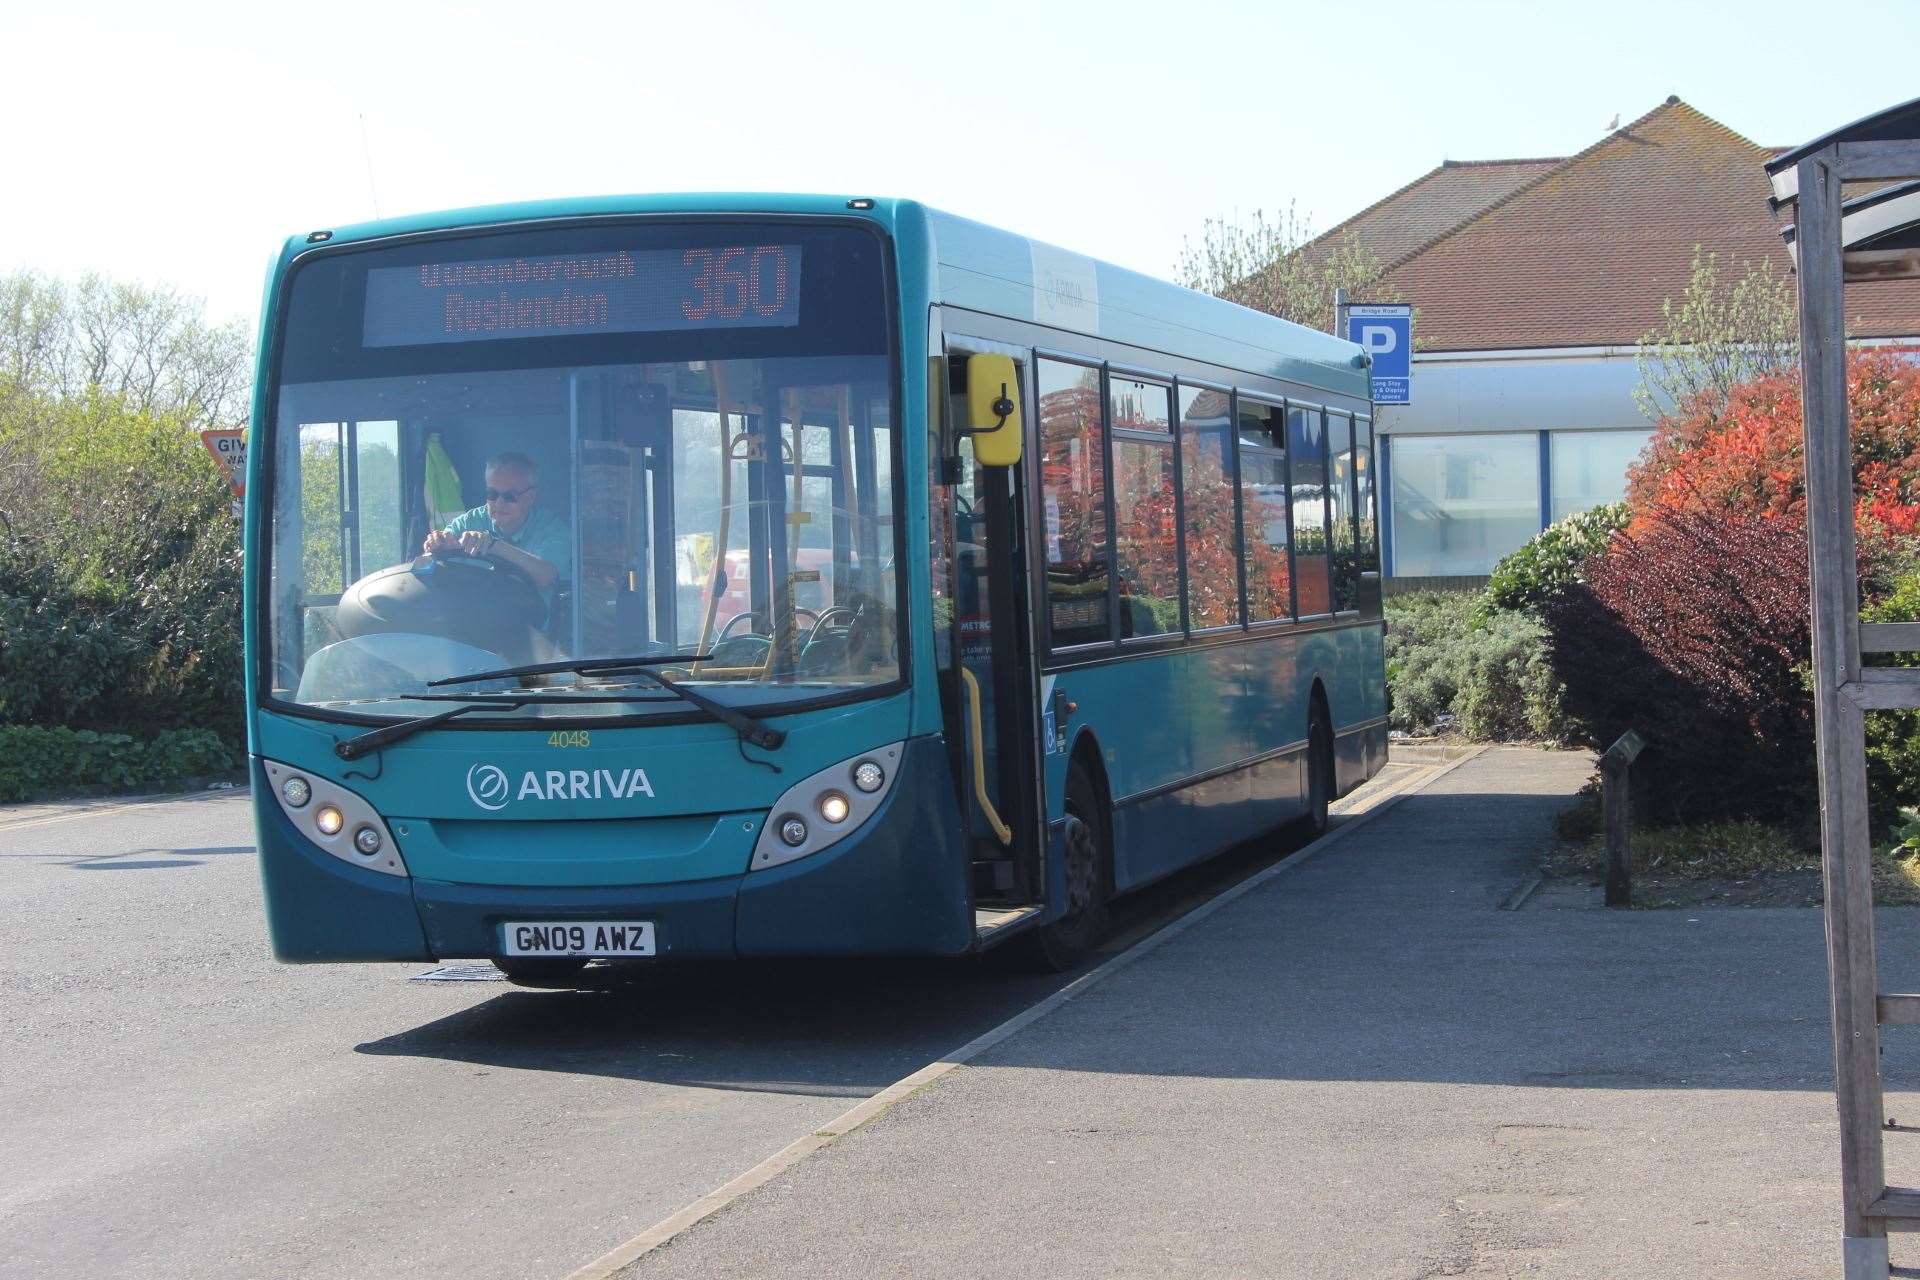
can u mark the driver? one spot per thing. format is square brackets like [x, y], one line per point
[509, 526]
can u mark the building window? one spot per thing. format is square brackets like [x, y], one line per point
[1206, 492]
[1590, 467]
[1263, 513]
[1307, 453]
[1146, 519]
[1462, 502]
[1073, 486]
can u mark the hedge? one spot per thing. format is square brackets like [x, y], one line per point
[35, 761]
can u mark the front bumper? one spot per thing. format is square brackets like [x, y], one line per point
[897, 886]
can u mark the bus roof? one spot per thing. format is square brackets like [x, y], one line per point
[980, 268]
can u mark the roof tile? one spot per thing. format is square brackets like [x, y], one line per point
[1582, 252]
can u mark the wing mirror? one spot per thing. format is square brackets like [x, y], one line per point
[993, 409]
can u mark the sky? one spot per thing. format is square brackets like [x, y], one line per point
[179, 144]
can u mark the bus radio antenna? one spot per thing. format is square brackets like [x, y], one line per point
[366, 154]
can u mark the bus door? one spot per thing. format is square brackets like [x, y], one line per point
[995, 692]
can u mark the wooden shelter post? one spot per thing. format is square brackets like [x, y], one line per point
[1840, 724]
[1872, 237]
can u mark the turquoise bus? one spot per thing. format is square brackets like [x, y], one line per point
[737, 576]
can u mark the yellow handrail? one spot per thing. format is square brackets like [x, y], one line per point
[1000, 828]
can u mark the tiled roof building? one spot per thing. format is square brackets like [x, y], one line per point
[1533, 281]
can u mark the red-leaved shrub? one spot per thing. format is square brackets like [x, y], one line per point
[1744, 456]
[1693, 628]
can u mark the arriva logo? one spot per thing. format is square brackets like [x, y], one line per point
[488, 785]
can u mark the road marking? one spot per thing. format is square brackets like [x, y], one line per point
[617, 1259]
[114, 806]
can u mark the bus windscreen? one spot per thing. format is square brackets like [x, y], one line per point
[609, 440]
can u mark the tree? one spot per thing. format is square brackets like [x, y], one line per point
[150, 347]
[1277, 266]
[1720, 333]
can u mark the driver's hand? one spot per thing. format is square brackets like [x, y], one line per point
[439, 540]
[475, 543]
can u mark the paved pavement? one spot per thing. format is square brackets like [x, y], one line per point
[173, 1103]
[1366, 1067]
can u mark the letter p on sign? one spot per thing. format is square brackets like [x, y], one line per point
[1378, 339]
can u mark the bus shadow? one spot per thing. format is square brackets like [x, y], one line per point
[825, 1027]
[830, 1028]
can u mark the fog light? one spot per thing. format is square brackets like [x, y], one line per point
[834, 807]
[793, 831]
[868, 776]
[296, 792]
[329, 820]
[367, 841]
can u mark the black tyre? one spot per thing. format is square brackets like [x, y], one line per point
[546, 973]
[1087, 845]
[1313, 823]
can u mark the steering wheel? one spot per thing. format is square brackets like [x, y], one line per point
[485, 603]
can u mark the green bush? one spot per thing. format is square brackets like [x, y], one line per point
[1450, 663]
[119, 572]
[1509, 691]
[36, 761]
[1549, 562]
[1425, 659]
[1893, 737]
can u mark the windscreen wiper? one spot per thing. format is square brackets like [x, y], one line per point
[750, 728]
[578, 666]
[354, 748]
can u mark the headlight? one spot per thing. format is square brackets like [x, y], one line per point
[320, 809]
[840, 809]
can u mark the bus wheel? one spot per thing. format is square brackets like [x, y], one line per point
[553, 974]
[1319, 772]
[1085, 840]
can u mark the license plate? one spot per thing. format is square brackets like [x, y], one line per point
[577, 938]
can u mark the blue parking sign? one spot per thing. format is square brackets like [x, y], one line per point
[1385, 332]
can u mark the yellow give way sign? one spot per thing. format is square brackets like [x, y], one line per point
[229, 448]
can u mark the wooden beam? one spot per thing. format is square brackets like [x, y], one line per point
[1884, 689]
[1899, 1010]
[1874, 162]
[1890, 637]
[1898, 1207]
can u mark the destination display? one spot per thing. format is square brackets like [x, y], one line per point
[645, 291]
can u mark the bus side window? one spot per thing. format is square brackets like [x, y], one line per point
[1307, 459]
[1073, 491]
[1212, 580]
[1342, 533]
[1263, 504]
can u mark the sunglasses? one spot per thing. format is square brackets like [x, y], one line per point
[509, 495]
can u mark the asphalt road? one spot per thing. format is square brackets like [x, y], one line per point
[175, 1103]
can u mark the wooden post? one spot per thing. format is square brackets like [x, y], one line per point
[1616, 803]
[1846, 857]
